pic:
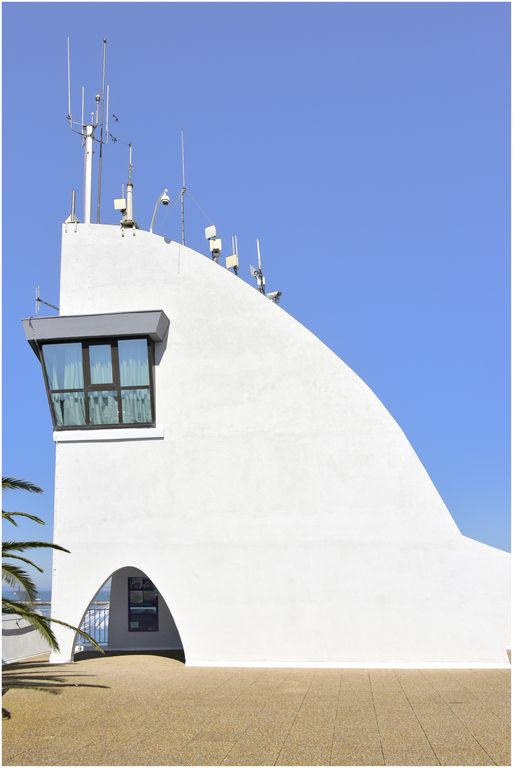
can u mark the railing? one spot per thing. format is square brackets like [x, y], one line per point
[95, 622]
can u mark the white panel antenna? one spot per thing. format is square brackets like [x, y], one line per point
[215, 243]
[232, 262]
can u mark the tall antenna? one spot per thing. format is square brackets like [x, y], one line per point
[86, 133]
[259, 277]
[70, 117]
[182, 194]
[100, 159]
[257, 273]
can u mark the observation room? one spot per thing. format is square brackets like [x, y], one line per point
[99, 369]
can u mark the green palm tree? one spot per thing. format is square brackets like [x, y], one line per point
[17, 578]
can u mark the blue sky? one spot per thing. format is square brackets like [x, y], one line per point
[367, 145]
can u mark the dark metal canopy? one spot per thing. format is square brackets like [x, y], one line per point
[151, 323]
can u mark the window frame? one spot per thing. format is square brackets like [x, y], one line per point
[115, 385]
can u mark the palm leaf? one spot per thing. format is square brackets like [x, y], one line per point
[41, 624]
[10, 515]
[21, 546]
[25, 560]
[15, 484]
[16, 577]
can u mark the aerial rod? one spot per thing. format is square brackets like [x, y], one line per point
[100, 158]
[257, 273]
[182, 195]
[70, 119]
[39, 301]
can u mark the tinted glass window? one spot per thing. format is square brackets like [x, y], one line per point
[64, 365]
[100, 363]
[133, 362]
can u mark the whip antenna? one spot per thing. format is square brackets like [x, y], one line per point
[100, 159]
[70, 118]
[182, 194]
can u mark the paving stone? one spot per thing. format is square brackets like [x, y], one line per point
[156, 711]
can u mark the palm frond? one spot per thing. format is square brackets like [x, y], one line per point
[15, 484]
[40, 623]
[16, 577]
[80, 632]
[11, 515]
[21, 546]
[25, 560]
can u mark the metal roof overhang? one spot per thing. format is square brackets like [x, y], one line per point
[39, 330]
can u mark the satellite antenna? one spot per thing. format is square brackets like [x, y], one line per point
[87, 131]
[182, 195]
[232, 262]
[39, 301]
[214, 242]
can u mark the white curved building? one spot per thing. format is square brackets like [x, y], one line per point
[262, 487]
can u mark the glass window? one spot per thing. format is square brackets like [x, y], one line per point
[100, 363]
[103, 408]
[68, 408]
[114, 386]
[136, 406]
[64, 365]
[133, 363]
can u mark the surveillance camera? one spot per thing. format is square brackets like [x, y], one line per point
[164, 198]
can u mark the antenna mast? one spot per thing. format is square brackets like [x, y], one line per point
[87, 135]
[100, 159]
[182, 195]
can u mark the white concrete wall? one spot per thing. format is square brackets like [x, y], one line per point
[120, 639]
[283, 514]
[20, 640]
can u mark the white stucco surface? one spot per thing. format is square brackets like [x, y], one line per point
[284, 515]
[20, 640]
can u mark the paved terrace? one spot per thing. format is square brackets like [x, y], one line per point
[156, 711]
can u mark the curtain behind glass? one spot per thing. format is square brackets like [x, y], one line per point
[133, 362]
[103, 408]
[64, 365]
[68, 408]
[136, 406]
[100, 363]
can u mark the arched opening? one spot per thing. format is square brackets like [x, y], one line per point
[129, 615]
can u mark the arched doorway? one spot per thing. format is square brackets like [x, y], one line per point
[128, 615]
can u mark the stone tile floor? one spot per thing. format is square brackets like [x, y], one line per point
[152, 710]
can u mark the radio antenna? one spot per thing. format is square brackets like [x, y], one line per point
[39, 301]
[87, 131]
[232, 262]
[100, 158]
[70, 118]
[257, 273]
[182, 194]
